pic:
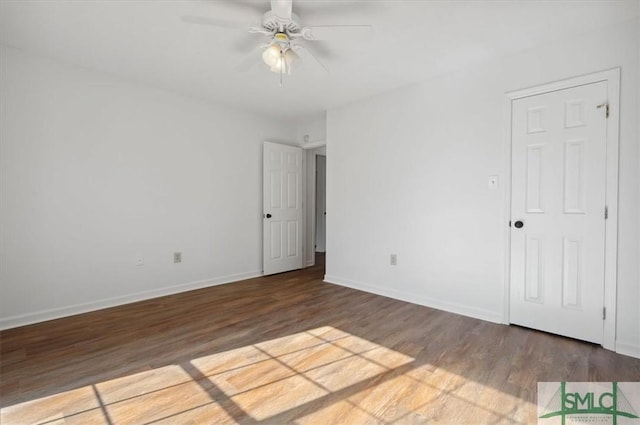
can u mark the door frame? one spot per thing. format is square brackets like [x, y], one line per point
[612, 77]
[315, 203]
[310, 196]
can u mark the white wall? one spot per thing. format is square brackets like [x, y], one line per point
[314, 126]
[408, 175]
[97, 171]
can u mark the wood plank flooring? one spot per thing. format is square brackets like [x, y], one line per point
[285, 349]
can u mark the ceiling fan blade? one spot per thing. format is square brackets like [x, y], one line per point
[215, 22]
[337, 32]
[251, 59]
[282, 8]
[307, 56]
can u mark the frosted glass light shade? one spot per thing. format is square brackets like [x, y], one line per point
[279, 60]
[272, 55]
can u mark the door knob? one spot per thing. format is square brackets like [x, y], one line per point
[267, 215]
[518, 224]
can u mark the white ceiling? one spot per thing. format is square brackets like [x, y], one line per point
[146, 41]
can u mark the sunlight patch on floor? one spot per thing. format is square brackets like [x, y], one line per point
[323, 375]
[52, 408]
[300, 368]
[128, 387]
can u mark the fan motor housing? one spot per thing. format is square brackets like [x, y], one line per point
[271, 22]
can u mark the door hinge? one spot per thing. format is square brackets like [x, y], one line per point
[604, 313]
[606, 212]
[606, 108]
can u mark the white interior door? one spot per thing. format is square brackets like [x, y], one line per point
[282, 208]
[558, 211]
[321, 201]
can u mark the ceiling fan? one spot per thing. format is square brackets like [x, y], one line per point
[285, 37]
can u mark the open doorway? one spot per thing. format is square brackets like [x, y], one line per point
[321, 209]
[315, 213]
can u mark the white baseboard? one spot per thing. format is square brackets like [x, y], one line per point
[56, 313]
[310, 263]
[622, 347]
[628, 349]
[476, 313]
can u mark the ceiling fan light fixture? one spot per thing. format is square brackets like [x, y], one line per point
[281, 66]
[284, 29]
[290, 57]
[278, 59]
[272, 55]
[279, 56]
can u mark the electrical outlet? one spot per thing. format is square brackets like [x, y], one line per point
[393, 260]
[177, 257]
[140, 261]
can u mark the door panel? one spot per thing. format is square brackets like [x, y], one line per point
[282, 208]
[558, 193]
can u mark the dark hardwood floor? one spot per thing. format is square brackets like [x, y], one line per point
[285, 349]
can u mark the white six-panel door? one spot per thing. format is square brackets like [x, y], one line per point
[557, 211]
[282, 208]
